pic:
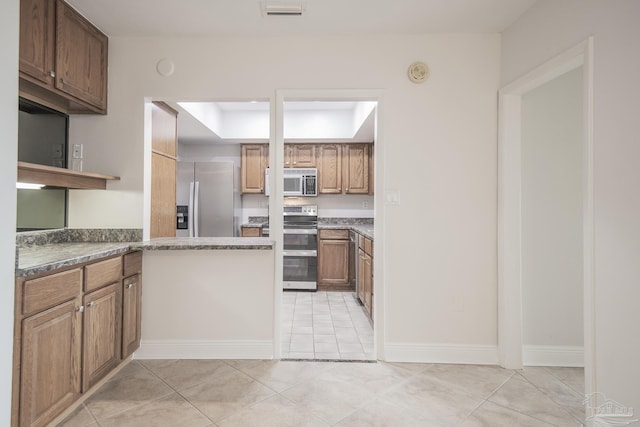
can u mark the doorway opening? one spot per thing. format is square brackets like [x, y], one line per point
[524, 210]
[325, 307]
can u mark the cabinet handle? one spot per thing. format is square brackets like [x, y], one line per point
[80, 309]
[130, 285]
[64, 82]
[52, 74]
[295, 163]
[91, 304]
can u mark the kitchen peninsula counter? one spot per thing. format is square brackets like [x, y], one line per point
[36, 259]
[205, 243]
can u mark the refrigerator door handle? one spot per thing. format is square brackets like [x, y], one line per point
[190, 210]
[196, 210]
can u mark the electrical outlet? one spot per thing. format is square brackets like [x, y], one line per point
[77, 151]
[76, 165]
[365, 205]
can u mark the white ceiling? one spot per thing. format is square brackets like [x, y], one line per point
[240, 122]
[244, 17]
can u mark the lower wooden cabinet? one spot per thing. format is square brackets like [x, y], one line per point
[333, 260]
[365, 274]
[50, 378]
[131, 304]
[72, 327]
[250, 231]
[102, 333]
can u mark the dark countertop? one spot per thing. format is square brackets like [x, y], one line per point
[38, 259]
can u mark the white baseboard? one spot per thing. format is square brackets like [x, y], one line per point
[544, 355]
[194, 349]
[442, 353]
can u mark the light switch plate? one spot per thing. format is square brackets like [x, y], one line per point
[392, 197]
[77, 151]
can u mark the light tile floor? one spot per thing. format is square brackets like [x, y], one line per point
[325, 326]
[265, 393]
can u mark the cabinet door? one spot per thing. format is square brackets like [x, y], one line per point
[361, 268]
[333, 262]
[163, 170]
[252, 162]
[81, 57]
[102, 333]
[368, 284]
[164, 130]
[50, 370]
[131, 305]
[330, 169]
[37, 39]
[163, 196]
[303, 156]
[356, 168]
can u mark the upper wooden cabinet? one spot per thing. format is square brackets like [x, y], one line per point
[253, 161]
[355, 165]
[63, 58]
[330, 169]
[342, 168]
[299, 156]
[37, 39]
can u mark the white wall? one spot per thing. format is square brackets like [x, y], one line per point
[547, 29]
[9, 138]
[440, 267]
[552, 213]
[207, 304]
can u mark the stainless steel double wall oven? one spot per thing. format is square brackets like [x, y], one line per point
[300, 249]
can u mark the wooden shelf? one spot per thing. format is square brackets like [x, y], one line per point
[59, 177]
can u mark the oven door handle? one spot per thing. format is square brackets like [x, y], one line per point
[300, 231]
[300, 253]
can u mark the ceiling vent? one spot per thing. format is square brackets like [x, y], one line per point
[282, 9]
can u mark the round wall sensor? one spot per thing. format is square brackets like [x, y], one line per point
[165, 67]
[418, 72]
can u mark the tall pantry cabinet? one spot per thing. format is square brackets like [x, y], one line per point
[164, 123]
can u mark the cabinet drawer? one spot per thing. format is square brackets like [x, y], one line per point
[334, 234]
[251, 232]
[48, 291]
[102, 273]
[132, 263]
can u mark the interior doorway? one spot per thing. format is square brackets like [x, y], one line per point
[332, 323]
[517, 220]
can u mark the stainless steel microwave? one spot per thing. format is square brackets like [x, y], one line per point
[297, 182]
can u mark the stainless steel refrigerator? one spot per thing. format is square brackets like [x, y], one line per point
[208, 199]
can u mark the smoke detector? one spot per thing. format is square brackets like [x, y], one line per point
[283, 9]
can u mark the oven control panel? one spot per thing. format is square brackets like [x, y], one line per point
[310, 210]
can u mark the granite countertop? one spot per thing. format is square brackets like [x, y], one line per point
[36, 259]
[204, 243]
[43, 258]
[364, 229]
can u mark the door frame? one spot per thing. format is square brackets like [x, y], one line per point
[276, 161]
[510, 321]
